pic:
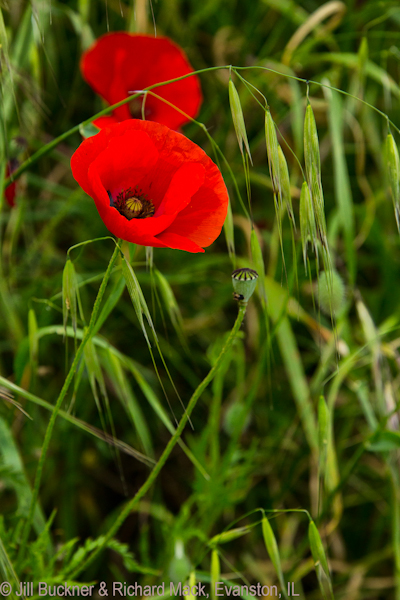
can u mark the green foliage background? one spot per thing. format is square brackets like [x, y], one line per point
[263, 443]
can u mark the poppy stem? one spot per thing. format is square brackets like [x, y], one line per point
[88, 333]
[168, 449]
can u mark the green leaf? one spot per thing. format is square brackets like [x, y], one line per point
[112, 365]
[88, 130]
[384, 441]
[94, 371]
[110, 303]
[11, 459]
[138, 300]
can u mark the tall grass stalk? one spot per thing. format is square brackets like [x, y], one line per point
[170, 446]
[36, 488]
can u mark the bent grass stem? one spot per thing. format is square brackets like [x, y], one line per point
[168, 449]
[48, 147]
[64, 390]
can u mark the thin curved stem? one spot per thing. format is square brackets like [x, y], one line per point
[48, 147]
[168, 449]
[64, 390]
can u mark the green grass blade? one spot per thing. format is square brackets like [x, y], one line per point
[273, 552]
[11, 459]
[215, 572]
[85, 427]
[343, 195]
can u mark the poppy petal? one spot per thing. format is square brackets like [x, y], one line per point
[85, 155]
[160, 166]
[11, 190]
[184, 184]
[202, 227]
[121, 63]
[125, 161]
[178, 242]
[140, 231]
[103, 122]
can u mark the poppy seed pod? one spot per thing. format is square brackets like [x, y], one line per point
[244, 283]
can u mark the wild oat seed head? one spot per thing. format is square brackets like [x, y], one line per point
[393, 170]
[313, 173]
[311, 145]
[238, 119]
[285, 184]
[331, 292]
[273, 155]
[307, 221]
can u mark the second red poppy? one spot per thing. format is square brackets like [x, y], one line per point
[120, 63]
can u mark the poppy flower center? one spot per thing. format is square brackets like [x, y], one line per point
[132, 204]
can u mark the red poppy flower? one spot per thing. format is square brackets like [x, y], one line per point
[152, 185]
[120, 63]
[11, 190]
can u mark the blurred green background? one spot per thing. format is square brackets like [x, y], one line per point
[258, 439]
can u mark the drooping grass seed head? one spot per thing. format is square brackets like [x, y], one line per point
[285, 184]
[244, 283]
[238, 119]
[393, 171]
[311, 145]
[331, 292]
[307, 221]
[273, 155]
[313, 173]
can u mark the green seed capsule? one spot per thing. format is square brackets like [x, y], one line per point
[244, 283]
